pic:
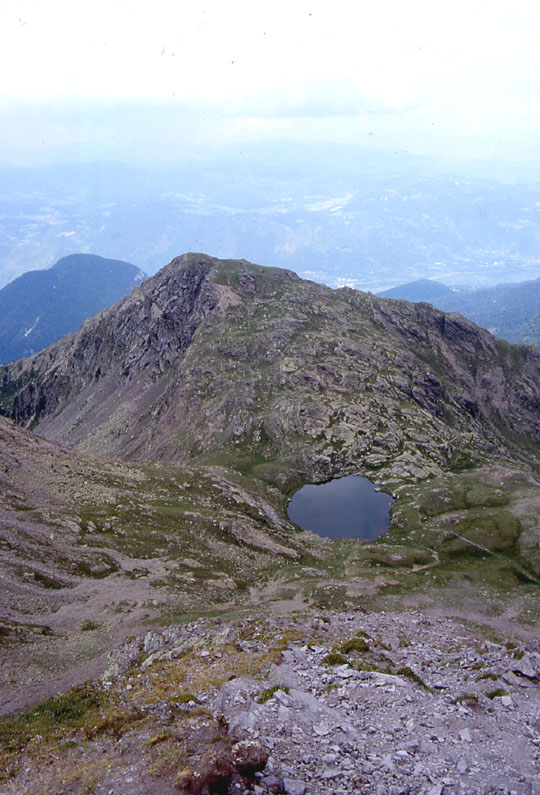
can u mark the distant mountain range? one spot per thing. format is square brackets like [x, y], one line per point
[427, 290]
[42, 306]
[510, 311]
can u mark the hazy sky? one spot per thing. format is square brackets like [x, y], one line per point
[167, 77]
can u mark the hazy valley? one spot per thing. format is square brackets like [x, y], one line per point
[335, 214]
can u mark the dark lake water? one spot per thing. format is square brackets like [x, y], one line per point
[347, 507]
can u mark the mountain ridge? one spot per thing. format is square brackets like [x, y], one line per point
[224, 358]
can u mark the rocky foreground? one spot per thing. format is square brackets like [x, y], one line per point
[321, 704]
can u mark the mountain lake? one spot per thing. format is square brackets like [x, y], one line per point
[348, 507]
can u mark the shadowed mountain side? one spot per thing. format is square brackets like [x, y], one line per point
[229, 360]
[40, 307]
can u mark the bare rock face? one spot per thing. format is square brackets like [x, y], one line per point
[136, 341]
[226, 358]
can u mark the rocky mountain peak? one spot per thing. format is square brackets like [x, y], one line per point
[224, 357]
[142, 335]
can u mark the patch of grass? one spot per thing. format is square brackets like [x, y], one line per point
[356, 643]
[292, 635]
[55, 716]
[331, 597]
[393, 556]
[185, 698]
[196, 712]
[41, 728]
[334, 658]
[172, 757]
[114, 724]
[410, 674]
[89, 625]
[331, 686]
[165, 677]
[267, 694]
[373, 668]
[497, 693]
[469, 699]
[161, 737]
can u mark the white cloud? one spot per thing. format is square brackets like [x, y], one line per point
[218, 51]
[472, 66]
